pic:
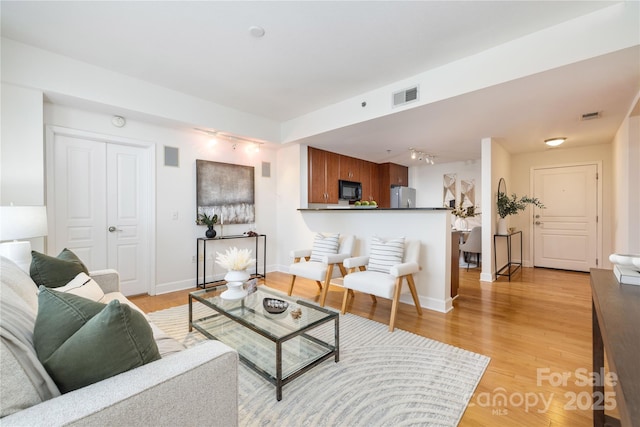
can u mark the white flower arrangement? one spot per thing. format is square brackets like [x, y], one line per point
[235, 259]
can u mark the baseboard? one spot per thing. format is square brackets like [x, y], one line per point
[429, 303]
[487, 277]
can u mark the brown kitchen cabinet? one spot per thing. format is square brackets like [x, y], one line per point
[324, 167]
[370, 181]
[391, 174]
[350, 168]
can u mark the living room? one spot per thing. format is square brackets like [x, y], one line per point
[45, 93]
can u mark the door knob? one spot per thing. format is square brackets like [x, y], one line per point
[112, 229]
[538, 222]
[537, 216]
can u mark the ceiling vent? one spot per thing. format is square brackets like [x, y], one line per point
[405, 96]
[591, 116]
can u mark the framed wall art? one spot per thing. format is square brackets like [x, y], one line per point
[226, 190]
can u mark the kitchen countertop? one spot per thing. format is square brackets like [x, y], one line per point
[350, 209]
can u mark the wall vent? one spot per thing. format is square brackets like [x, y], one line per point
[405, 96]
[591, 116]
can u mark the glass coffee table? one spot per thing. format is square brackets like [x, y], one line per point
[278, 346]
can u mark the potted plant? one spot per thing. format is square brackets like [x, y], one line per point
[512, 206]
[462, 213]
[209, 221]
[235, 261]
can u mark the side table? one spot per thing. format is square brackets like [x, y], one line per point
[510, 263]
[203, 241]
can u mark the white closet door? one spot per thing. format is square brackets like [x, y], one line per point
[80, 195]
[126, 212]
[101, 198]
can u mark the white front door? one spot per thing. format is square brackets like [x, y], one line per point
[565, 233]
[100, 202]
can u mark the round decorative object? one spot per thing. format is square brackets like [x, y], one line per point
[274, 305]
[235, 281]
[211, 232]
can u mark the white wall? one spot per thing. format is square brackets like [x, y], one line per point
[626, 177]
[21, 154]
[22, 157]
[176, 191]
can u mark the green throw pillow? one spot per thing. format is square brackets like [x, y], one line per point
[54, 272]
[80, 342]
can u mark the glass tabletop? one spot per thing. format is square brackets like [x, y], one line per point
[250, 311]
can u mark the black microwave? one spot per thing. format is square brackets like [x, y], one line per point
[349, 190]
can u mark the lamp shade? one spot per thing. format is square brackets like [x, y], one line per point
[22, 222]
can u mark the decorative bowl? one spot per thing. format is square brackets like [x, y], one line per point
[274, 305]
[625, 260]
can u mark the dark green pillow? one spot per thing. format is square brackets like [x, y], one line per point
[101, 340]
[54, 272]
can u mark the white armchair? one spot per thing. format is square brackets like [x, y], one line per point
[322, 270]
[379, 275]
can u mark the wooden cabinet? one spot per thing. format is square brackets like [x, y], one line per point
[370, 181]
[350, 168]
[323, 176]
[391, 174]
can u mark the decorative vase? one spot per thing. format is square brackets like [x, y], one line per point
[211, 232]
[461, 224]
[502, 226]
[235, 281]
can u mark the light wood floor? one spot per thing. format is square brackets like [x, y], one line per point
[539, 321]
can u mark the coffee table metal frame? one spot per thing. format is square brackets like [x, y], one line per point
[209, 297]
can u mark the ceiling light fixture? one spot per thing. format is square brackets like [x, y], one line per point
[554, 142]
[421, 155]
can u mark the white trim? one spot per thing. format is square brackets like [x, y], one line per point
[599, 239]
[50, 134]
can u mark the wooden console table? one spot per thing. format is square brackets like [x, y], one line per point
[202, 241]
[616, 331]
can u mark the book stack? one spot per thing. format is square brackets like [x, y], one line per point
[626, 275]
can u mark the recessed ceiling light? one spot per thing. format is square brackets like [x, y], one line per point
[554, 142]
[256, 31]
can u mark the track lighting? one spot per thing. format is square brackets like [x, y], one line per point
[216, 136]
[421, 155]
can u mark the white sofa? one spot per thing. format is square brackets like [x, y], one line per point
[187, 387]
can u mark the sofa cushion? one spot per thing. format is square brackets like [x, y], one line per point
[84, 286]
[81, 342]
[54, 272]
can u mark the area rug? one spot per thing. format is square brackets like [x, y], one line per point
[382, 379]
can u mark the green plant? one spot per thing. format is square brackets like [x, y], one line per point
[512, 205]
[209, 221]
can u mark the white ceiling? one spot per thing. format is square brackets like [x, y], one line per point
[317, 53]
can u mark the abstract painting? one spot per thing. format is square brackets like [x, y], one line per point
[226, 190]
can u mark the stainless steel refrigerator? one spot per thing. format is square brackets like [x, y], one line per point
[403, 197]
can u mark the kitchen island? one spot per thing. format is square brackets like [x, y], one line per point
[432, 226]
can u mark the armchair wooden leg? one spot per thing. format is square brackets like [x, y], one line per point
[345, 298]
[373, 299]
[394, 304]
[327, 281]
[293, 279]
[414, 294]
